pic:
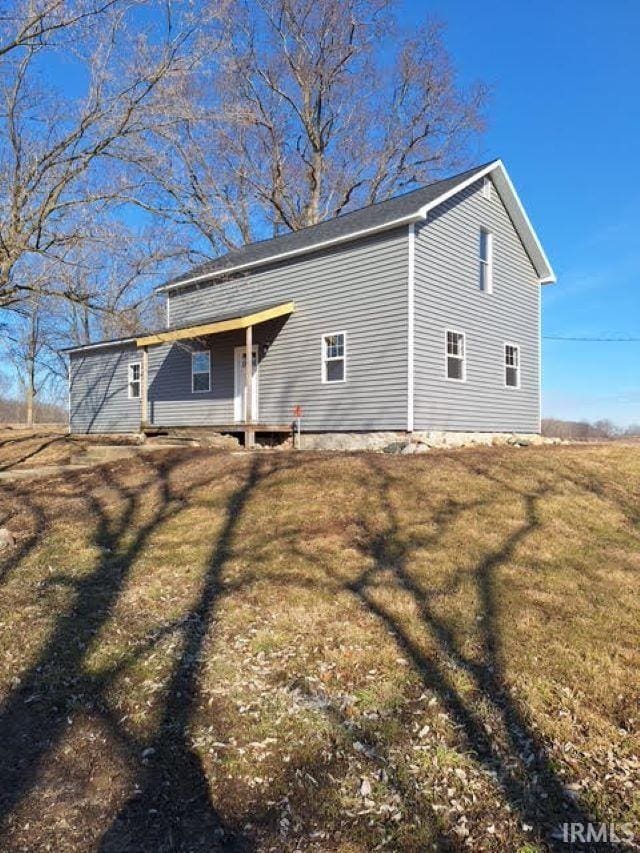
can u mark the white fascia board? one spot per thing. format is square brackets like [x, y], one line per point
[524, 226]
[305, 250]
[99, 345]
[515, 209]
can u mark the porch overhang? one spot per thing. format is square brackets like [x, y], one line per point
[216, 326]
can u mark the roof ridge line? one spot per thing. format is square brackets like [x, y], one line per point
[364, 207]
[203, 269]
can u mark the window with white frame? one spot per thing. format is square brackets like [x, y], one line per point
[512, 366]
[200, 371]
[334, 357]
[486, 188]
[486, 260]
[456, 355]
[134, 381]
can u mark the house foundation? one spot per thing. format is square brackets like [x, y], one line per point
[415, 442]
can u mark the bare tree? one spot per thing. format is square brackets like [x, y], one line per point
[33, 24]
[112, 298]
[28, 345]
[58, 153]
[313, 107]
[224, 122]
[603, 429]
[111, 272]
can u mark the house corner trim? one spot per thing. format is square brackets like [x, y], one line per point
[410, 323]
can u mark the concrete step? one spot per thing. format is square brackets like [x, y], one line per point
[172, 441]
[95, 454]
[98, 454]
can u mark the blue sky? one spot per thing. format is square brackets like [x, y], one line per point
[565, 118]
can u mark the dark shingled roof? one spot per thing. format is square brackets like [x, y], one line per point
[373, 216]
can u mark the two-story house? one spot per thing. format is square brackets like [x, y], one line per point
[415, 314]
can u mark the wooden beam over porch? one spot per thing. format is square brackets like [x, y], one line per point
[244, 321]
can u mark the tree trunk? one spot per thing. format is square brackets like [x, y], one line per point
[315, 182]
[30, 396]
[34, 335]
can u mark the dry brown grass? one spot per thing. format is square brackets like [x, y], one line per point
[50, 445]
[340, 653]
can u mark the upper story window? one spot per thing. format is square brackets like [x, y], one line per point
[201, 371]
[134, 380]
[334, 357]
[486, 260]
[456, 356]
[512, 366]
[486, 188]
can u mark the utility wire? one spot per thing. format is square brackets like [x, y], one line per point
[599, 340]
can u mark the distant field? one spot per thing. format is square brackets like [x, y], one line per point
[303, 652]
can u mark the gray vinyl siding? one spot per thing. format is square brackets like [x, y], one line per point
[448, 296]
[359, 288]
[99, 397]
[171, 400]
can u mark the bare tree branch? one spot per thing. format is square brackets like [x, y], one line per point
[310, 108]
[60, 158]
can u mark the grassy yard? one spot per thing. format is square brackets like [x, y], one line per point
[21, 448]
[201, 651]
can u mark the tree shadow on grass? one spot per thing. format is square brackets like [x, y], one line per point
[518, 761]
[35, 522]
[172, 807]
[8, 466]
[33, 718]
[29, 436]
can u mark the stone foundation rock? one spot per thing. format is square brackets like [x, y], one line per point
[417, 442]
[351, 440]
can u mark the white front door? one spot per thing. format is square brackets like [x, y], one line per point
[240, 398]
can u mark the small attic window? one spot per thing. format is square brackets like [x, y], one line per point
[486, 188]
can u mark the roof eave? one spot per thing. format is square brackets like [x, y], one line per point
[515, 209]
[98, 345]
[527, 232]
[306, 250]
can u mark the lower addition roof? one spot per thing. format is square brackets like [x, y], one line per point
[228, 322]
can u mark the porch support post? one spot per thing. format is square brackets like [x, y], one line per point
[249, 435]
[144, 384]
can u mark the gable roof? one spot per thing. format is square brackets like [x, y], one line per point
[381, 216]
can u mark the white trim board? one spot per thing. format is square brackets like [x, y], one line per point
[100, 345]
[411, 324]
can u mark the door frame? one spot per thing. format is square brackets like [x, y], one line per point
[239, 375]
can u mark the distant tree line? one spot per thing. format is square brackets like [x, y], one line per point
[601, 430]
[14, 411]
